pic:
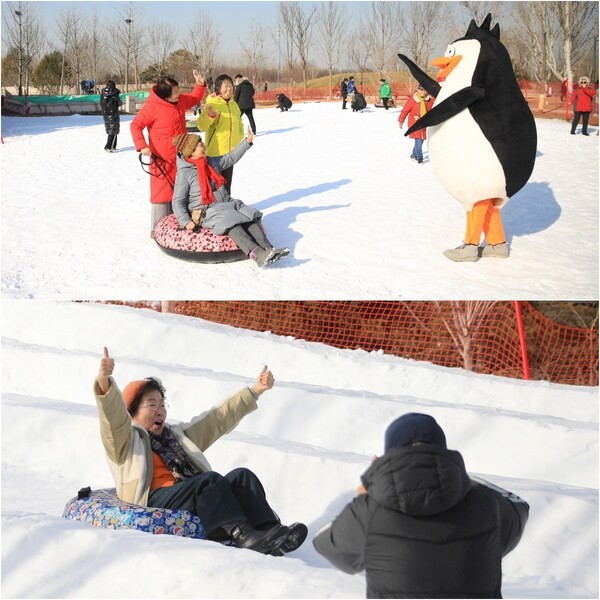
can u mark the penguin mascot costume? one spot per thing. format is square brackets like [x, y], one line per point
[482, 136]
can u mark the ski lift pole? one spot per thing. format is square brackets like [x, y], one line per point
[522, 341]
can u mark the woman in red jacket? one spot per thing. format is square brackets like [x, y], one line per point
[582, 105]
[416, 106]
[163, 116]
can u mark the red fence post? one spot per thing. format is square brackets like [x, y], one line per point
[522, 342]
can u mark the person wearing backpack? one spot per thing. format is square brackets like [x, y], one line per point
[110, 102]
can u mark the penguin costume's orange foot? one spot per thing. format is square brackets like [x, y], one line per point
[464, 253]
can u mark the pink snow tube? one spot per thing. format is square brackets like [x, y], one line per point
[204, 246]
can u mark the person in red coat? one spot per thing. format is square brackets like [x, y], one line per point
[416, 106]
[163, 115]
[582, 105]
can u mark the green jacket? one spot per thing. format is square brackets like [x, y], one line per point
[385, 90]
[127, 444]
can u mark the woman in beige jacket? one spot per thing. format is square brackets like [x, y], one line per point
[163, 466]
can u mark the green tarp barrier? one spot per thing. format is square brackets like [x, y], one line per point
[73, 99]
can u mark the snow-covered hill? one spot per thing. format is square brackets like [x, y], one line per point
[311, 438]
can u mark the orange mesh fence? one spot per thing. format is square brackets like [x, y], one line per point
[478, 336]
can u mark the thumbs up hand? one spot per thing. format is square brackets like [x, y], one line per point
[107, 366]
[264, 381]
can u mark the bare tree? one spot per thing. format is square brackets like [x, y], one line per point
[284, 38]
[253, 48]
[203, 42]
[480, 9]
[127, 34]
[25, 37]
[360, 56]
[161, 42]
[332, 24]
[299, 25]
[464, 323]
[382, 26]
[423, 27]
[64, 27]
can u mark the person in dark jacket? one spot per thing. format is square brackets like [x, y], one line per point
[344, 92]
[244, 96]
[110, 101]
[283, 102]
[582, 105]
[420, 526]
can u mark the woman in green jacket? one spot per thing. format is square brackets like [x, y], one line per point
[224, 130]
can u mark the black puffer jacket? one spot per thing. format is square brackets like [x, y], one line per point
[110, 102]
[244, 95]
[425, 529]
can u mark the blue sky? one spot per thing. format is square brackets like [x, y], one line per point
[231, 17]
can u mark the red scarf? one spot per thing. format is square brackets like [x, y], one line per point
[206, 174]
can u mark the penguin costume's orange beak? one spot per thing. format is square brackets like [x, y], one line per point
[446, 65]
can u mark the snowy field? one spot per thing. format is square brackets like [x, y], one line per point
[310, 440]
[361, 219]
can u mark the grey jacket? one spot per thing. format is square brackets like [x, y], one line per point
[127, 444]
[225, 212]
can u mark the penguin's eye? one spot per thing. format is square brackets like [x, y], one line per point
[450, 51]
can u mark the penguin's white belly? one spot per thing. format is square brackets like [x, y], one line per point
[465, 162]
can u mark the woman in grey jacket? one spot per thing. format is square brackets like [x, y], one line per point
[201, 199]
[163, 466]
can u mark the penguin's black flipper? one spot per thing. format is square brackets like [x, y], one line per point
[431, 85]
[450, 107]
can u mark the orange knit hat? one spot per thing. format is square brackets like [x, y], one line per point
[131, 390]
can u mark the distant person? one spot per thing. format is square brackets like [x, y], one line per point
[244, 96]
[110, 102]
[283, 103]
[420, 526]
[417, 105]
[351, 85]
[162, 465]
[201, 200]
[163, 115]
[265, 86]
[225, 130]
[582, 105]
[344, 92]
[564, 86]
[385, 92]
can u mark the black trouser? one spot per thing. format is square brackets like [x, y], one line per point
[249, 235]
[344, 99]
[111, 142]
[585, 118]
[385, 101]
[248, 113]
[228, 175]
[219, 500]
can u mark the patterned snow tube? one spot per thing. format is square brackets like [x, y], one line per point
[102, 508]
[204, 246]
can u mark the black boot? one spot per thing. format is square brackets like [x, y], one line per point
[265, 542]
[296, 534]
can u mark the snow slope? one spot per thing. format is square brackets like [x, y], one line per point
[310, 440]
[361, 219]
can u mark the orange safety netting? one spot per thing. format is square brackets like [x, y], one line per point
[478, 336]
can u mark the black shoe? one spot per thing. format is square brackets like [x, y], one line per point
[420, 161]
[585, 134]
[296, 534]
[276, 254]
[572, 133]
[265, 542]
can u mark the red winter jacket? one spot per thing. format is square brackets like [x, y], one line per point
[164, 120]
[582, 99]
[413, 112]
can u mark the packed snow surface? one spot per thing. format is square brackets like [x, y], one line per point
[362, 220]
[309, 441]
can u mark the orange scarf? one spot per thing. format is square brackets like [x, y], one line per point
[206, 175]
